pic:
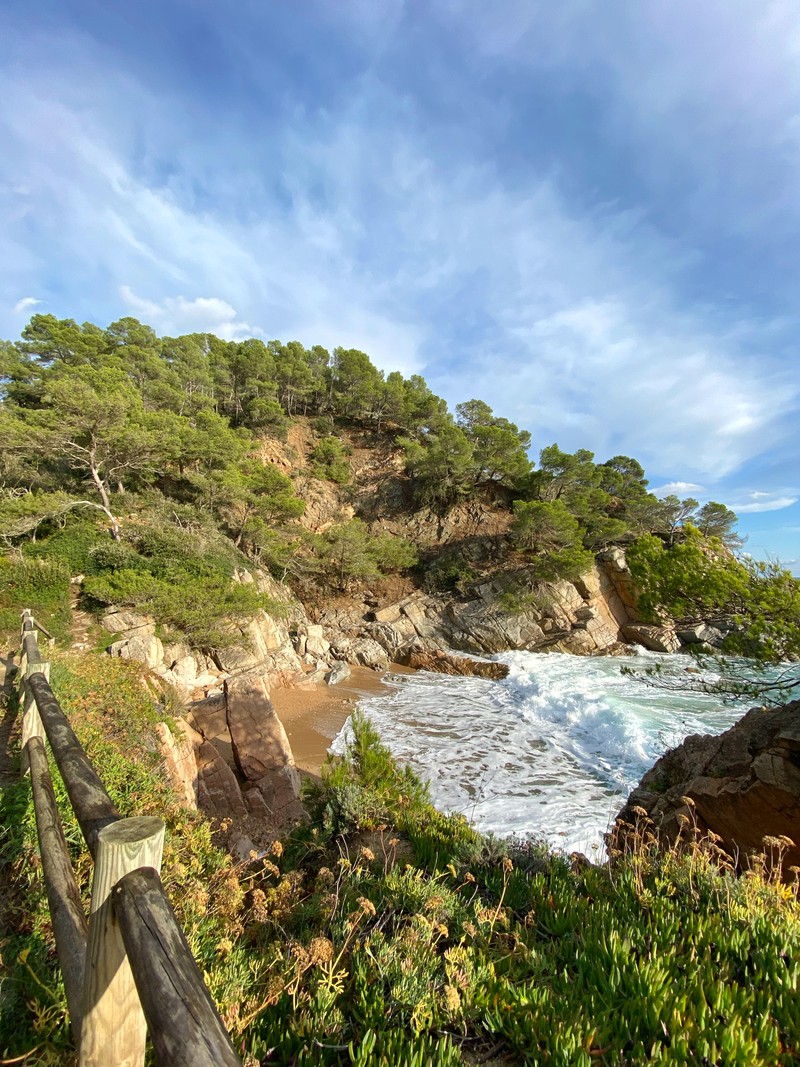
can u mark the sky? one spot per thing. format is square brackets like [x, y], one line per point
[585, 214]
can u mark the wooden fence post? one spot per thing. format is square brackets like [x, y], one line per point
[63, 896]
[114, 1029]
[31, 720]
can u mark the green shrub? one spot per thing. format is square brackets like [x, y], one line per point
[324, 426]
[447, 574]
[201, 607]
[113, 556]
[329, 460]
[393, 554]
[73, 545]
[43, 585]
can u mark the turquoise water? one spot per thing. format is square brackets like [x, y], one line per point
[552, 750]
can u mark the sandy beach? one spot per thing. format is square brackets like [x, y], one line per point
[313, 717]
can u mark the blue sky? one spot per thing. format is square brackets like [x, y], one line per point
[586, 214]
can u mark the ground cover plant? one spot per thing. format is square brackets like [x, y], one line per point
[385, 932]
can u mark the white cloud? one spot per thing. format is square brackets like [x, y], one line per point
[178, 315]
[565, 320]
[681, 489]
[26, 303]
[758, 502]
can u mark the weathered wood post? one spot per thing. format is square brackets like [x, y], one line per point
[114, 1029]
[185, 1026]
[63, 896]
[31, 662]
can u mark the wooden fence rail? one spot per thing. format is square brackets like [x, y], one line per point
[129, 970]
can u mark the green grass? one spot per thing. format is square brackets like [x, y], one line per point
[384, 932]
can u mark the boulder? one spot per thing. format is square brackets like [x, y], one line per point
[393, 637]
[362, 652]
[366, 652]
[185, 671]
[236, 658]
[313, 678]
[258, 738]
[655, 638]
[207, 680]
[261, 749]
[209, 718]
[479, 626]
[743, 785]
[218, 790]
[340, 672]
[281, 792]
[445, 663]
[577, 642]
[389, 614]
[142, 647]
[316, 643]
[700, 634]
[119, 621]
[415, 611]
[175, 650]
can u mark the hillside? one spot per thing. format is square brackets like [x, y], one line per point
[202, 458]
[200, 522]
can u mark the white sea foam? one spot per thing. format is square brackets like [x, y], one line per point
[552, 750]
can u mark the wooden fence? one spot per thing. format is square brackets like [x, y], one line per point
[128, 971]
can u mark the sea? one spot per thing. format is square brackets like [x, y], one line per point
[553, 750]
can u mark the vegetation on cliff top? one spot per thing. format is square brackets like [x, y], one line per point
[385, 932]
[128, 429]
[757, 605]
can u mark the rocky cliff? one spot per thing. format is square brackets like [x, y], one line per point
[743, 785]
[232, 755]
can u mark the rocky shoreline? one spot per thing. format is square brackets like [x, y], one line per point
[231, 754]
[742, 786]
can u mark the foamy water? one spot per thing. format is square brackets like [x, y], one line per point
[552, 750]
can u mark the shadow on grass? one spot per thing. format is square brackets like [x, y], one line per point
[33, 1020]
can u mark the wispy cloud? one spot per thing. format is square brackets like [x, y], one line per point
[177, 315]
[760, 501]
[682, 489]
[438, 221]
[27, 303]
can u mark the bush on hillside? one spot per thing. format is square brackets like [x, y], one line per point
[329, 460]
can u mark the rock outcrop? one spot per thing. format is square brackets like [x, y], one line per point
[179, 754]
[656, 638]
[585, 617]
[245, 763]
[445, 663]
[743, 785]
[261, 749]
[264, 648]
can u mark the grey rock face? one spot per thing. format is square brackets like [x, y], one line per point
[656, 638]
[338, 674]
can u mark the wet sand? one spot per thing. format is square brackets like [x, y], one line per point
[313, 717]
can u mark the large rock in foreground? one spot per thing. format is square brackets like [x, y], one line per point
[745, 785]
[261, 749]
